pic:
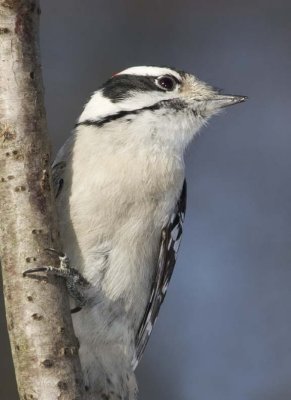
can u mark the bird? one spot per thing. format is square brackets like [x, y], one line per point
[120, 190]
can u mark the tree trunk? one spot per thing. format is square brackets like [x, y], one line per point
[44, 348]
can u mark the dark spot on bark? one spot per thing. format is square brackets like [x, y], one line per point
[47, 363]
[86, 388]
[3, 180]
[37, 317]
[36, 231]
[31, 74]
[10, 177]
[20, 188]
[62, 385]
[104, 396]
[108, 380]
[29, 397]
[17, 347]
[61, 329]
[17, 156]
[28, 259]
[7, 154]
[29, 298]
[4, 31]
[38, 10]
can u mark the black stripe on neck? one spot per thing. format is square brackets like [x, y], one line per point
[175, 104]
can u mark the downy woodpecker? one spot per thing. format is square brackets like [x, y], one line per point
[121, 196]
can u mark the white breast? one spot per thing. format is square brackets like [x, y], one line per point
[115, 201]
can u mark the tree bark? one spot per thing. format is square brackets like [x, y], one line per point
[44, 348]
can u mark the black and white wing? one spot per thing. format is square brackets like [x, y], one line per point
[170, 241]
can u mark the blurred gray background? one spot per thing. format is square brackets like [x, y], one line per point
[224, 329]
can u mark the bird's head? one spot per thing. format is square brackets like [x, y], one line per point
[159, 102]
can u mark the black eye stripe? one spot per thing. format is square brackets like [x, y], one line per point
[174, 104]
[119, 87]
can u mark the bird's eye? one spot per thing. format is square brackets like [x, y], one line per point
[166, 82]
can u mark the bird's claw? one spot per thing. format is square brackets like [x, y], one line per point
[76, 283]
[33, 270]
[62, 270]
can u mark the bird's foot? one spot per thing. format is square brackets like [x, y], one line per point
[76, 283]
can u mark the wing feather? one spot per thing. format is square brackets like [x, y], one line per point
[170, 241]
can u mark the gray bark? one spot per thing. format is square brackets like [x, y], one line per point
[44, 348]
